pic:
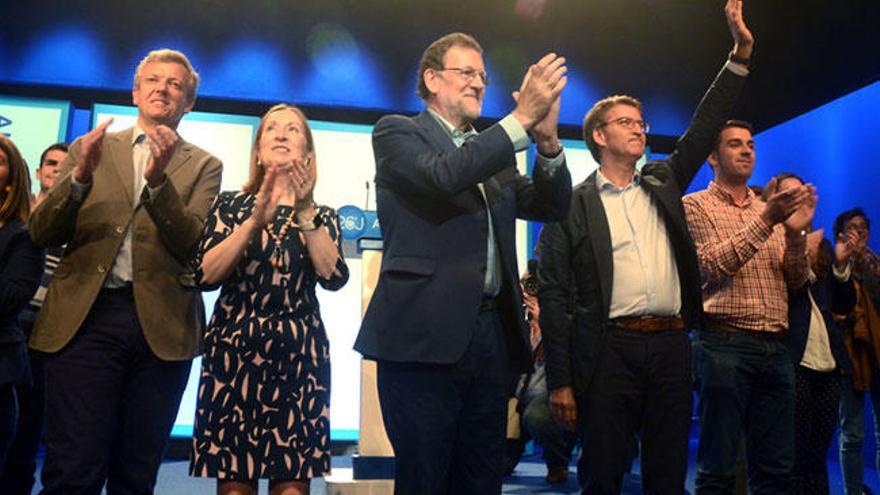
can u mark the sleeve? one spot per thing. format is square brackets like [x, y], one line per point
[219, 224]
[794, 262]
[714, 109]
[407, 163]
[330, 219]
[53, 222]
[843, 294]
[546, 196]
[21, 272]
[181, 224]
[555, 293]
[720, 258]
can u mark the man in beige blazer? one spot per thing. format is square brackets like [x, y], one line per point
[121, 317]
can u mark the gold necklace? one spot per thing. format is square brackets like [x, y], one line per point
[277, 252]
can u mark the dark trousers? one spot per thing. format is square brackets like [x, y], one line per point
[642, 386]
[447, 422]
[817, 396]
[746, 386]
[21, 463]
[110, 405]
[8, 411]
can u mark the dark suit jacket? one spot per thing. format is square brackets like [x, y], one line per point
[830, 295]
[434, 226]
[575, 258]
[165, 231]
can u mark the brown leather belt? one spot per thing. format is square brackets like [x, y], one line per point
[650, 323]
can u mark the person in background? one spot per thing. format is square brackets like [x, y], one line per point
[17, 476]
[20, 264]
[263, 408]
[817, 350]
[861, 328]
[538, 423]
[47, 170]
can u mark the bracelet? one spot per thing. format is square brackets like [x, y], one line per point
[312, 224]
[733, 57]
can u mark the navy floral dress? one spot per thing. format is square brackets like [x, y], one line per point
[264, 393]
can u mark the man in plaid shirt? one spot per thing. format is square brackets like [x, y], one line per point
[750, 254]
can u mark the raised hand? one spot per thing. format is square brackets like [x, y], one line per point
[539, 91]
[743, 40]
[266, 199]
[163, 142]
[91, 145]
[781, 204]
[845, 247]
[802, 216]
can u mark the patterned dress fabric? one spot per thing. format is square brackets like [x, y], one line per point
[264, 394]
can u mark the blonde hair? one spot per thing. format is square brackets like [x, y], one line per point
[169, 55]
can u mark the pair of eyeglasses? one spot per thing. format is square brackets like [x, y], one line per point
[469, 73]
[628, 123]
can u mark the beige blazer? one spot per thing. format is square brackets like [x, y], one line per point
[165, 232]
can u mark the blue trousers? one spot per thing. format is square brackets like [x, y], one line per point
[852, 431]
[746, 387]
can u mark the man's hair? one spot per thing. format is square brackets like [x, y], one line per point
[742, 124]
[766, 192]
[432, 58]
[595, 118]
[62, 146]
[16, 196]
[169, 55]
[844, 218]
[256, 172]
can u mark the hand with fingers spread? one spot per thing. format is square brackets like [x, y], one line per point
[162, 141]
[743, 40]
[90, 153]
[538, 93]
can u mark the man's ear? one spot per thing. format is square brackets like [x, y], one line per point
[432, 81]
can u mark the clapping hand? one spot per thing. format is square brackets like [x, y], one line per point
[91, 145]
[162, 141]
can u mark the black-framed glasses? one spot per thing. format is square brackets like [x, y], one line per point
[631, 124]
[469, 73]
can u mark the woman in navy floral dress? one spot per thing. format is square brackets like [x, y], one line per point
[264, 393]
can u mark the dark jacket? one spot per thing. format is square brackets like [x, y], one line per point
[21, 265]
[575, 258]
[831, 296]
[434, 227]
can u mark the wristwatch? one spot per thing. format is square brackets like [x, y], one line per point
[312, 224]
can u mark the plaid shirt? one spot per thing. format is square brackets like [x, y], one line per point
[746, 266]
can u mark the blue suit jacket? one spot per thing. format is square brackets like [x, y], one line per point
[434, 226]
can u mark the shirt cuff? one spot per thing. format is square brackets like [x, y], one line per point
[551, 165]
[154, 191]
[736, 68]
[842, 275]
[79, 190]
[515, 132]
